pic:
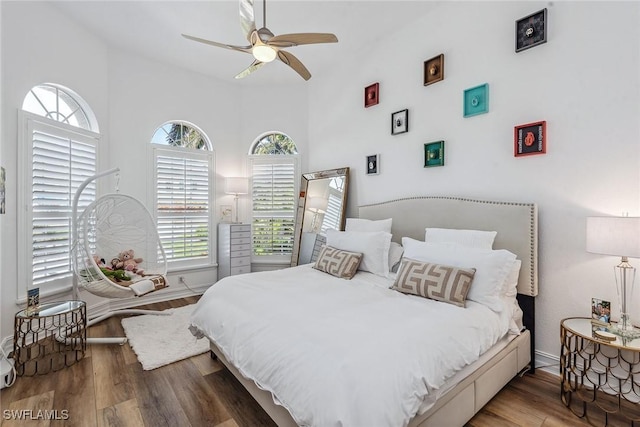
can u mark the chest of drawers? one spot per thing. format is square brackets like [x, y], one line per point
[234, 249]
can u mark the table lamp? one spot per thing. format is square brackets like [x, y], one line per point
[317, 205]
[236, 185]
[619, 236]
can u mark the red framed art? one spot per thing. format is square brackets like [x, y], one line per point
[530, 139]
[371, 95]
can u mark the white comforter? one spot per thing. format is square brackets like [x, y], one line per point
[338, 352]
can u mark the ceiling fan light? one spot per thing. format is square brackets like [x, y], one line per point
[264, 53]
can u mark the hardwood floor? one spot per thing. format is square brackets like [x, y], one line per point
[109, 388]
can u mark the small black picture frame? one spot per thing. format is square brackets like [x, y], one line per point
[400, 122]
[531, 30]
[373, 164]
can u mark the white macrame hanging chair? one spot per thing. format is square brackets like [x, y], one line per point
[111, 224]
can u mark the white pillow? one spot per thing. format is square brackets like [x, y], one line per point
[395, 256]
[373, 245]
[360, 224]
[492, 267]
[510, 285]
[469, 238]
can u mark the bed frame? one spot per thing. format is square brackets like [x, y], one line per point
[517, 227]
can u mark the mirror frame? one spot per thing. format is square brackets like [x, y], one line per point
[302, 200]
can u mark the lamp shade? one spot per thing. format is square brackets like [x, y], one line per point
[612, 235]
[317, 204]
[236, 185]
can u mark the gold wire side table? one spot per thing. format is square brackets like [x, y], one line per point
[49, 338]
[600, 376]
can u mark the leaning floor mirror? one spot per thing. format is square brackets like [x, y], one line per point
[321, 206]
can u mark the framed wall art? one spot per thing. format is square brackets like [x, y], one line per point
[371, 95]
[531, 30]
[400, 122]
[373, 164]
[476, 100]
[434, 69]
[530, 138]
[434, 154]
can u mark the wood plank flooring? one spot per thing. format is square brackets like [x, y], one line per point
[109, 388]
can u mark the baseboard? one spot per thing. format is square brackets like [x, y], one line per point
[547, 362]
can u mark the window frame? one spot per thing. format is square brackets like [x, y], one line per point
[207, 154]
[28, 123]
[293, 159]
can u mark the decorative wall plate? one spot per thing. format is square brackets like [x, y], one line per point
[400, 122]
[371, 95]
[434, 154]
[373, 164]
[531, 30]
[434, 69]
[476, 100]
[530, 139]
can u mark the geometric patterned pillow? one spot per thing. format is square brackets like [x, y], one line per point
[338, 263]
[435, 281]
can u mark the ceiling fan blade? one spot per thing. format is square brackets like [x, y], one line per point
[246, 49]
[253, 67]
[295, 39]
[247, 20]
[294, 63]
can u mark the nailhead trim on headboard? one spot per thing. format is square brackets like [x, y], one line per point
[533, 224]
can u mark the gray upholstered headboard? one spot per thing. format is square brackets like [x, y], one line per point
[516, 224]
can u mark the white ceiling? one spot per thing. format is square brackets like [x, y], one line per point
[152, 29]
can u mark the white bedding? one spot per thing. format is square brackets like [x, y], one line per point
[338, 352]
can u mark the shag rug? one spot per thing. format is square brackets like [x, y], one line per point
[161, 340]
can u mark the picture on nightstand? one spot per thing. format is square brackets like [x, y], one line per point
[600, 312]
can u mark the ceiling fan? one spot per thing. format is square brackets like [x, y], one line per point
[265, 46]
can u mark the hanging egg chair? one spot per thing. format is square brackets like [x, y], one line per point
[117, 250]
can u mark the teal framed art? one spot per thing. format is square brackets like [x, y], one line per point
[434, 154]
[476, 100]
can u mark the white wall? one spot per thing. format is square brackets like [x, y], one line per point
[131, 96]
[585, 82]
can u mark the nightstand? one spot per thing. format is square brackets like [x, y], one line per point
[49, 338]
[600, 373]
[234, 249]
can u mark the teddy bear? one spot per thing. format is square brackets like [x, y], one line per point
[128, 261]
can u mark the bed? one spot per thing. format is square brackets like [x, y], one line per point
[365, 382]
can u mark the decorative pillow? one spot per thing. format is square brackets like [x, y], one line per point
[338, 263]
[469, 238]
[492, 266]
[434, 281]
[360, 224]
[395, 256]
[373, 245]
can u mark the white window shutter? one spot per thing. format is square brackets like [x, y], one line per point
[183, 212]
[274, 204]
[60, 164]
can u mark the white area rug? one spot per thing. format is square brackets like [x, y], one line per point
[161, 340]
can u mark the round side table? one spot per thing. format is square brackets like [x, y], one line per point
[600, 373]
[50, 337]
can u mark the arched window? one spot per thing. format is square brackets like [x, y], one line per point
[183, 167]
[59, 148]
[274, 173]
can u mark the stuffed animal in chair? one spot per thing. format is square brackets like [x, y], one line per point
[127, 261]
